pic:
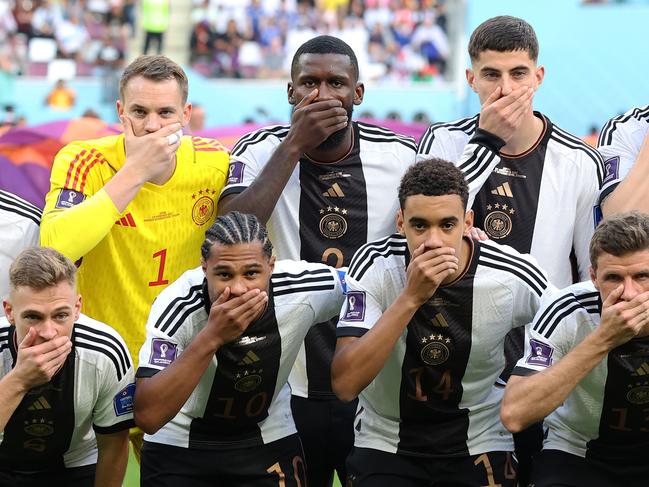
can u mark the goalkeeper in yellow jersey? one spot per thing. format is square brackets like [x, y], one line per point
[132, 209]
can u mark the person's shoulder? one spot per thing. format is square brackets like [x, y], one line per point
[580, 299]
[634, 120]
[206, 144]
[19, 208]
[90, 151]
[575, 149]
[381, 135]
[384, 253]
[295, 277]
[265, 136]
[178, 301]
[516, 266]
[98, 342]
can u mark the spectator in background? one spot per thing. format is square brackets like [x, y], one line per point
[47, 17]
[431, 42]
[71, 37]
[227, 51]
[155, 21]
[61, 97]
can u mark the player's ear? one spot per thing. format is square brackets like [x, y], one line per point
[9, 312]
[593, 277]
[120, 109]
[468, 221]
[271, 263]
[77, 308]
[187, 114]
[539, 75]
[470, 78]
[400, 224]
[359, 92]
[291, 93]
[204, 265]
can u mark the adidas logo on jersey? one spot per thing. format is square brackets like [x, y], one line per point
[40, 403]
[250, 358]
[642, 370]
[503, 190]
[439, 321]
[126, 221]
[334, 192]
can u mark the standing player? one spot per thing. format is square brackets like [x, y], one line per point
[543, 182]
[585, 367]
[66, 383]
[624, 145]
[421, 340]
[133, 208]
[326, 185]
[19, 222]
[212, 388]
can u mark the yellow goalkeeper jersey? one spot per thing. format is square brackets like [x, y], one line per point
[126, 259]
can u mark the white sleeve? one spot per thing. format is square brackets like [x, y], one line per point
[326, 304]
[437, 142]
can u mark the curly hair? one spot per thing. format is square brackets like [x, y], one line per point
[433, 177]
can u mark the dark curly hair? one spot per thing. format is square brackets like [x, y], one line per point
[433, 177]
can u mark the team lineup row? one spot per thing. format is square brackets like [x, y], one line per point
[251, 374]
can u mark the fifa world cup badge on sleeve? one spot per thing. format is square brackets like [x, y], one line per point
[355, 306]
[235, 172]
[69, 198]
[540, 354]
[612, 167]
[123, 401]
[163, 352]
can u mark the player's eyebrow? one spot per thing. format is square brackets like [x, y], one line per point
[450, 219]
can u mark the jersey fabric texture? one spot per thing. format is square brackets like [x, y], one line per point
[435, 396]
[619, 144]
[128, 258]
[54, 426]
[243, 398]
[19, 226]
[604, 418]
[526, 198]
[324, 214]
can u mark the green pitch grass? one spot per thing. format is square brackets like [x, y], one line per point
[132, 478]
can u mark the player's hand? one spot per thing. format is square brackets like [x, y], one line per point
[151, 155]
[37, 364]
[624, 320]
[229, 318]
[314, 121]
[502, 115]
[477, 234]
[427, 270]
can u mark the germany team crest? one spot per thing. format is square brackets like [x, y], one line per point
[204, 206]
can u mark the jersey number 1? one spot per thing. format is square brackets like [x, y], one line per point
[161, 269]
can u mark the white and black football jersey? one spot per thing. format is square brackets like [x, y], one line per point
[54, 426]
[243, 398]
[436, 394]
[619, 144]
[324, 214]
[540, 202]
[605, 417]
[19, 229]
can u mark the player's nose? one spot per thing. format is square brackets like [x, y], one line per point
[324, 92]
[506, 86]
[152, 123]
[238, 287]
[631, 289]
[47, 330]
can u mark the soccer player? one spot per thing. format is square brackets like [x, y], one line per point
[19, 226]
[585, 368]
[325, 185]
[133, 208]
[624, 145]
[542, 183]
[212, 390]
[66, 382]
[421, 339]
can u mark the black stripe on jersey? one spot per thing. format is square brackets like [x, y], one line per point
[606, 135]
[378, 134]
[173, 309]
[524, 276]
[97, 348]
[533, 272]
[475, 165]
[564, 138]
[280, 275]
[256, 137]
[13, 204]
[4, 338]
[562, 307]
[108, 344]
[304, 284]
[363, 259]
[466, 125]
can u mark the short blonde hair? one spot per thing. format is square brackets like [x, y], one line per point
[154, 68]
[41, 267]
[620, 235]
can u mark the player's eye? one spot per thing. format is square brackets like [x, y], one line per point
[448, 226]
[519, 74]
[61, 316]
[223, 275]
[166, 113]
[336, 84]
[309, 83]
[252, 273]
[138, 113]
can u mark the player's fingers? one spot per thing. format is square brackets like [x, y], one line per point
[60, 348]
[128, 127]
[613, 296]
[494, 97]
[170, 129]
[307, 99]
[417, 252]
[29, 339]
[254, 307]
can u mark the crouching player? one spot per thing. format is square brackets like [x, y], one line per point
[212, 393]
[66, 382]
